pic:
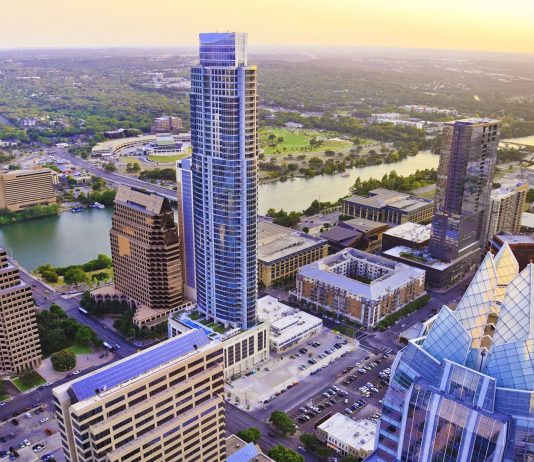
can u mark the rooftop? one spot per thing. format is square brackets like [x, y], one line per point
[276, 242]
[138, 364]
[508, 189]
[380, 198]
[358, 434]
[527, 220]
[513, 239]
[138, 198]
[413, 232]
[238, 450]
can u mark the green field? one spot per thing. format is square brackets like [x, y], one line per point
[298, 142]
[38, 380]
[80, 349]
[167, 159]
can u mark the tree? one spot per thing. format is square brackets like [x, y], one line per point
[110, 167]
[84, 336]
[250, 435]
[283, 423]
[280, 453]
[75, 276]
[50, 276]
[28, 378]
[350, 458]
[63, 360]
[310, 441]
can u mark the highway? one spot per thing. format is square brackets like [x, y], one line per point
[110, 176]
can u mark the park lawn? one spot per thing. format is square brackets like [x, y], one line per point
[4, 397]
[296, 140]
[168, 159]
[80, 349]
[38, 381]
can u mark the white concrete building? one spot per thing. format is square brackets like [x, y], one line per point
[347, 436]
[396, 119]
[289, 326]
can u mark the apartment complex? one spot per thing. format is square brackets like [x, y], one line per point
[224, 137]
[389, 207]
[464, 390]
[20, 348]
[20, 189]
[506, 208]
[146, 250]
[282, 251]
[358, 285]
[166, 124]
[465, 171]
[160, 405]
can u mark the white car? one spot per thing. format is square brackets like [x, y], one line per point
[44, 419]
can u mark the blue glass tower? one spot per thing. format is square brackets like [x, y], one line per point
[224, 171]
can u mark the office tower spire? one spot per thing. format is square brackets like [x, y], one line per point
[468, 155]
[224, 171]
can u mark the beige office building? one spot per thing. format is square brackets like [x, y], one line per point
[506, 209]
[20, 348]
[146, 252]
[20, 189]
[164, 404]
[166, 124]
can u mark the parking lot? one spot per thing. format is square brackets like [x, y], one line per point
[33, 435]
[285, 370]
[357, 392]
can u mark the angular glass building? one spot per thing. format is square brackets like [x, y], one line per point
[224, 171]
[465, 390]
[466, 165]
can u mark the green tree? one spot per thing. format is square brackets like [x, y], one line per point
[283, 423]
[50, 276]
[84, 336]
[250, 435]
[29, 378]
[63, 360]
[110, 167]
[350, 458]
[309, 441]
[280, 453]
[75, 276]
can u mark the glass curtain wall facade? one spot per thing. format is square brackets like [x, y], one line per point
[464, 391]
[224, 172]
[467, 162]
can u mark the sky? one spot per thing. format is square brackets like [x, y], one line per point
[489, 25]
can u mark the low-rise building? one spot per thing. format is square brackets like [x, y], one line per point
[413, 235]
[8, 143]
[358, 285]
[522, 246]
[358, 233]
[20, 189]
[347, 436]
[238, 450]
[289, 326]
[506, 208]
[282, 251]
[243, 350]
[161, 404]
[389, 207]
[396, 119]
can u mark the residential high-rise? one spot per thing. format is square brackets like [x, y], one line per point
[20, 189]
[506, 208]
[463, 391]
[467, 161]
[184, 194]
[224, 139]
[145, 248]
[164, 403]
[20, 348]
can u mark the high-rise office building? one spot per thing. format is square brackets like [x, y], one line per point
[224, 138]
[164, 403]
[506, 209]
[20, 189]
[463, 391]
[145, 248]
[467, 161]
[184, 194]
[20, 348]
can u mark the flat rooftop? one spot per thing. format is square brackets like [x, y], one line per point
[428, 261]
[138, 364]
[276, 242]
[413, 232]
[358, 434]
[516, 238]
[380, 198]
[527, 219]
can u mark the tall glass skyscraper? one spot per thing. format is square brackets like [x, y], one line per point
[224, 171]
[464, 390]
[466, 165]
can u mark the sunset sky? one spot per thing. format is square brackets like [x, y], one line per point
[494, 25]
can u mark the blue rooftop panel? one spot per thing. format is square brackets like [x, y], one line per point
[245, 454]
[139, 363]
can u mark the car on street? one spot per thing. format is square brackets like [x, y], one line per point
[38, 448]
[44, 419]
[76, 372]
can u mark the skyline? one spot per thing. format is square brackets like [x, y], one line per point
[482, 26]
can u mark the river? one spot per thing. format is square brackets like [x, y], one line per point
[72, 238]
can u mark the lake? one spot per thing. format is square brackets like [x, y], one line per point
[72, 238]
